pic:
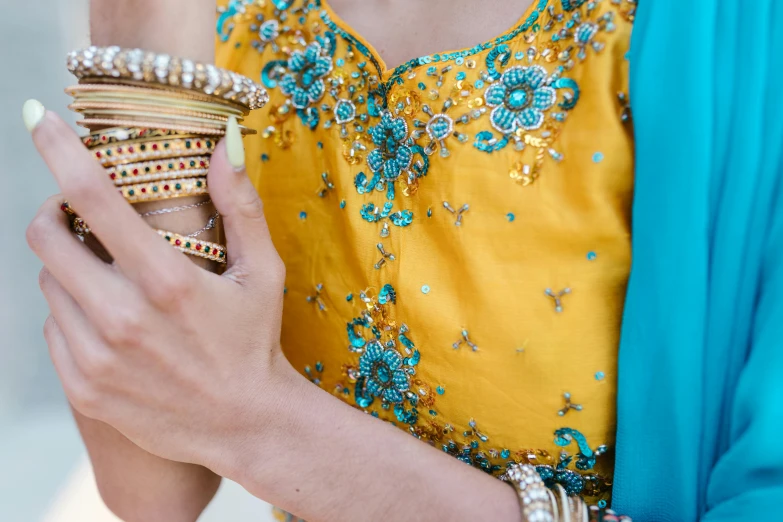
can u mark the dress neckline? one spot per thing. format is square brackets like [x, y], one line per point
[337, 24]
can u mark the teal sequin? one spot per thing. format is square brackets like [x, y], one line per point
[387, 295]
[373, 214]
[586, 456]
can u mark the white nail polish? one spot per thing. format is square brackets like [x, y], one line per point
[234, 146]
[33, 112]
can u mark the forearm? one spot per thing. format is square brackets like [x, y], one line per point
[138, 486]
[315, 456]
[134, 484]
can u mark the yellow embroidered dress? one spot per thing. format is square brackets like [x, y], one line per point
[455, 230]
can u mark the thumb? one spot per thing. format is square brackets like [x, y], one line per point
[248, 241]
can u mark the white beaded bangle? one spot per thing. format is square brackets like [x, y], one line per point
[137, 65]
[535, 500]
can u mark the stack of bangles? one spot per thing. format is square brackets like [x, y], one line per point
[154, 121]
[538, 503]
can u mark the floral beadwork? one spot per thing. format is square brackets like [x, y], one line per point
[392, 154]
[383, 372]
[303, 81]
[354, 135]
[391, 158]
[520, 98]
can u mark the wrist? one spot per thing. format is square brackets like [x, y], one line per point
[267, 427]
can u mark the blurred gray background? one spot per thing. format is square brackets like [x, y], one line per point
[43, 474]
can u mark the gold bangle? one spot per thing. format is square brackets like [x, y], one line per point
[130, 122]
[118, 108]
[188, 245]
[157, 191]
[159, 118]
[159, 170]
[555, 506]
[114, 135]
[580, 511]
[534, 498]
[92, 90]
[563, 506]
[155, 98]
[119, 64]
[134, 152]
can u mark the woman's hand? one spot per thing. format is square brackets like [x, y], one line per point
[187, 364]
[169, 354]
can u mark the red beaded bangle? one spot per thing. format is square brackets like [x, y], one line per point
[168, 169]
[194, 247]
[130, 152]
[164, 189]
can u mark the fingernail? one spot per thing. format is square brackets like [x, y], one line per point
[33, 112]
[234, 147]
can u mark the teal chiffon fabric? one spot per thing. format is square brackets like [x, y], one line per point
[700, 412]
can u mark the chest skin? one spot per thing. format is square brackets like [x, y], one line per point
[404, 29]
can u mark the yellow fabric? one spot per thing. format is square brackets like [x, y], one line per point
[554, 215]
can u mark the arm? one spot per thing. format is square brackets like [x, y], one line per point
[321, 459]
[189, 366]
[133, 483]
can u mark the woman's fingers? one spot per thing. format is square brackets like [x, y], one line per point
[73, 380]
[86, 277]
[250, 248]
[135, 247]
[84, 361]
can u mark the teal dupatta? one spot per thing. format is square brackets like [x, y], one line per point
[700, 412]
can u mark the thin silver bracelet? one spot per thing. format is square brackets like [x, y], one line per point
[175, 209]
[211, 223]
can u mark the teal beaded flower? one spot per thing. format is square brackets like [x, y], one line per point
[383, 371]
[392, 155]
[519, 98]
[303, 81]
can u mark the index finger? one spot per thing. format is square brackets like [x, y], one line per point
[135, 247]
